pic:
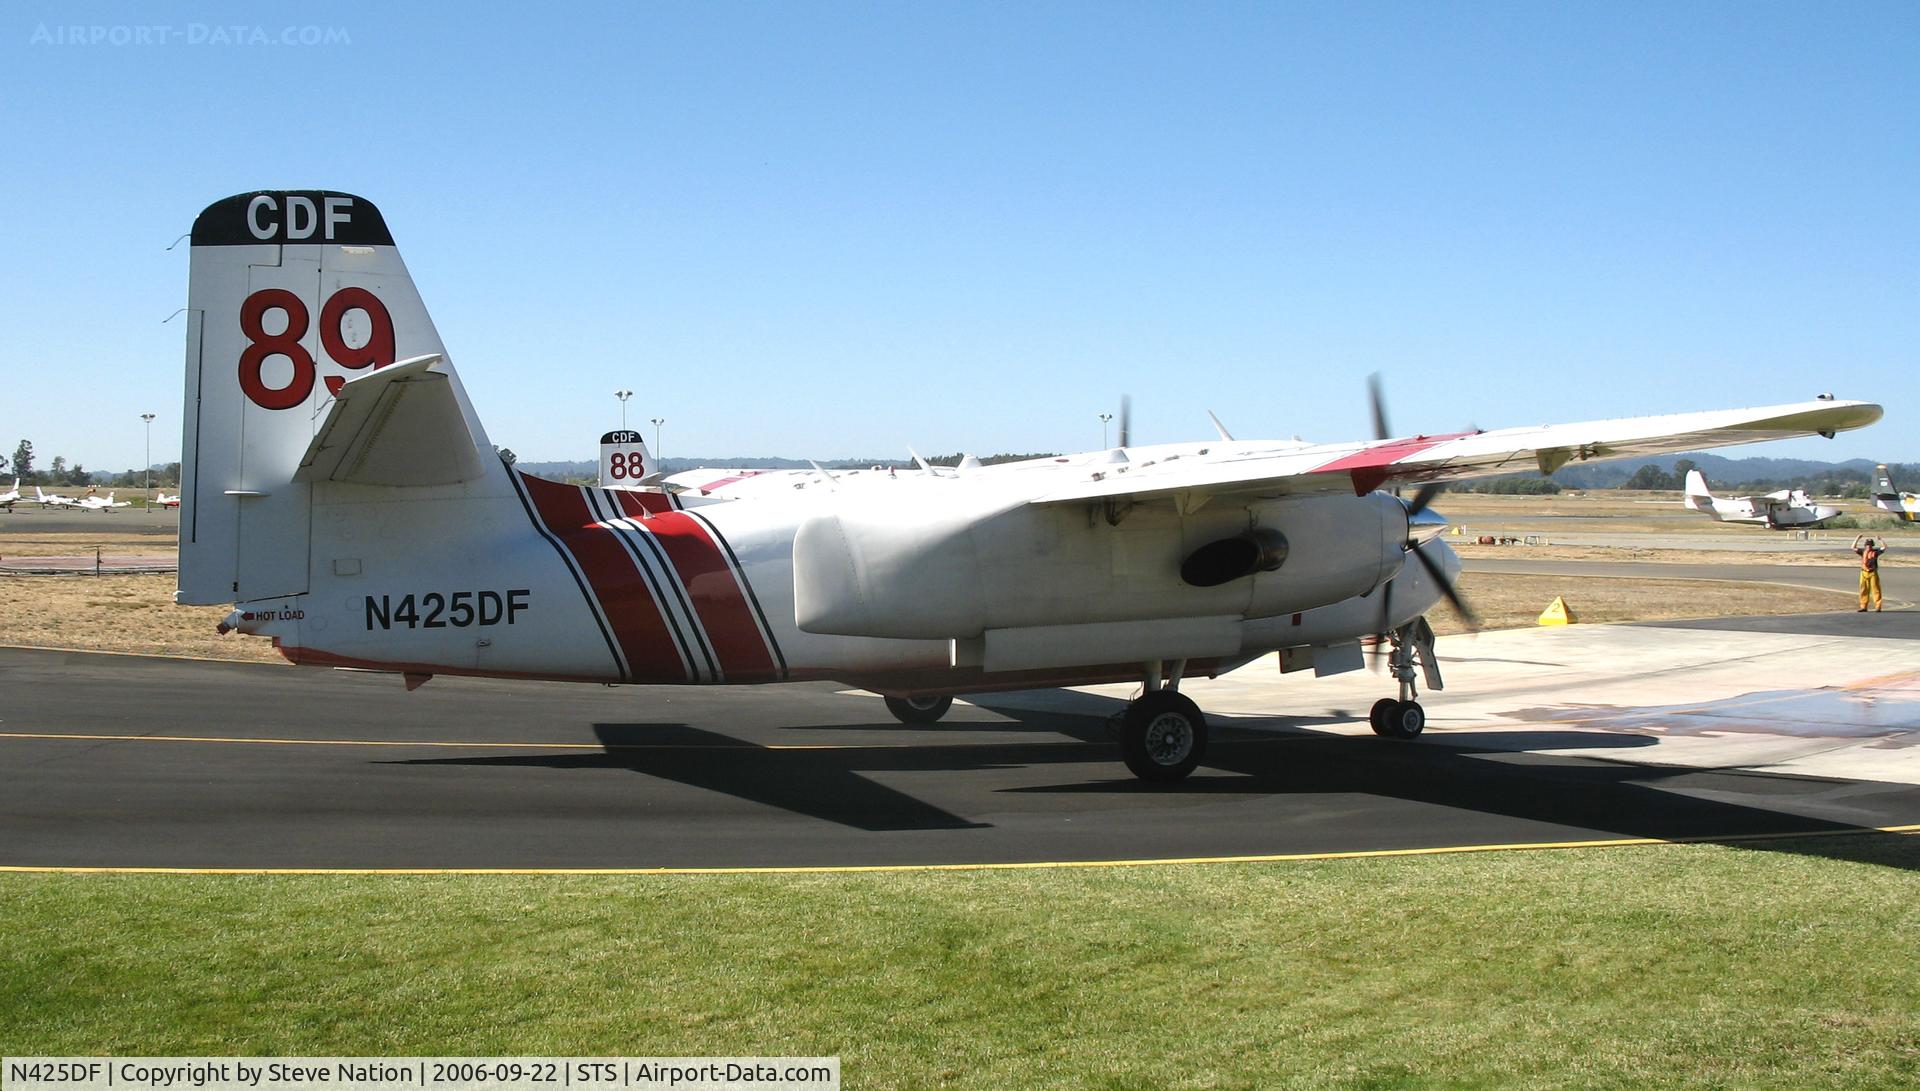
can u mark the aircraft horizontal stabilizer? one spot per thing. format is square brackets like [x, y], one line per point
[398, 425]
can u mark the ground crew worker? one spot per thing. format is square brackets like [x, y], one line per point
[1869, 570]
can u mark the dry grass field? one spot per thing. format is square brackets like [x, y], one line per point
[1615, 511]
[1840, 555]
[1509, 601]
[117, 614]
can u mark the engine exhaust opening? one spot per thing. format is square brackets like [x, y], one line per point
[1261, 549]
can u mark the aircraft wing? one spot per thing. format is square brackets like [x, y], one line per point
[1363, 467]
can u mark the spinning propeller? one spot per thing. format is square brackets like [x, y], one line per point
[1422, 525]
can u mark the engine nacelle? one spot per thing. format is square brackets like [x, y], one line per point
[1261, 549]
[952, 563]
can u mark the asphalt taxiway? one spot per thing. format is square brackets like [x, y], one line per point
[1585, 734]
[162, 524]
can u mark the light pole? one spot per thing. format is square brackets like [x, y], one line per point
[623, 395]
[147, 419]
[1104, 418]
[657, 422]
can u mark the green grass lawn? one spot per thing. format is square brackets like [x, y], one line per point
[1790, 964]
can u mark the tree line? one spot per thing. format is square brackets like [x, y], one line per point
[1846, 484]
[24, 465]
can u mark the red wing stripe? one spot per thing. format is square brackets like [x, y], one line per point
[1370, 465]
[716, 594]
[651, 652]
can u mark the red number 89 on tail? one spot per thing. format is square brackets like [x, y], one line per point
[377, 351]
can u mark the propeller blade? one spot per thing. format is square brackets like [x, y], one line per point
[1425, 496]
[1386, 619]
[1379, 405]
[1126, 420]
[1446, 587]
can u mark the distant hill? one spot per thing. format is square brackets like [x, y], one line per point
[1722, 471]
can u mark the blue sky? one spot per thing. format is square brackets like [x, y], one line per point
[836, 230]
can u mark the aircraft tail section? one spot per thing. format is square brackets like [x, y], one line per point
[1887, 498]
[1699, 497]
[625, 461]
[339, 490]
[293, 295]
[1883, 484]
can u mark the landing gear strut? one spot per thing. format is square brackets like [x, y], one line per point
[1403, 718]
[1163, 735]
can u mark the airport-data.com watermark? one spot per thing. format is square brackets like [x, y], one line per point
[188, 34]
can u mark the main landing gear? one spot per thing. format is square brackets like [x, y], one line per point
[919, 710]
[1403, 718]
[1163, 735]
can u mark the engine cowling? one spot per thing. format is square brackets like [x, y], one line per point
[950, 565]
[1261, 549]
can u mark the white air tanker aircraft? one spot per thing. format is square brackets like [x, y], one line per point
[342, 493]
[1783, 510]
[53, 499]
[11, 497]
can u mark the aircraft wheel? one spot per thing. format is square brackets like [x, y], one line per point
[1163, 737]
[919, 710]
[1406, 720]
[1382, 709]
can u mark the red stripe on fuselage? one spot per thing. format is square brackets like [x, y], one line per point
[650, 502]
[713, 590]
[652, 655]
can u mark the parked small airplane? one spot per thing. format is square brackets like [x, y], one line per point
[351, 505]
[1887, 498]
[162, 500]
[95, 503]
[53, 500]
[11, 497]
[1783, 510]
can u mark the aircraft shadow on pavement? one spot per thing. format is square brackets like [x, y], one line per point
[805, 782]
[1499, 776]
[1491, 773]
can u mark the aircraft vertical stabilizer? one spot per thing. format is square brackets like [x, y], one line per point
[290, 294]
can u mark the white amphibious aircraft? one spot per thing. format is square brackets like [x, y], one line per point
[1787, 509]
[342, 493]
[96, 503]
[11, 497]
[1885, 497]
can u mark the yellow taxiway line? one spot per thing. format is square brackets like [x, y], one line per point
[1028, 865]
